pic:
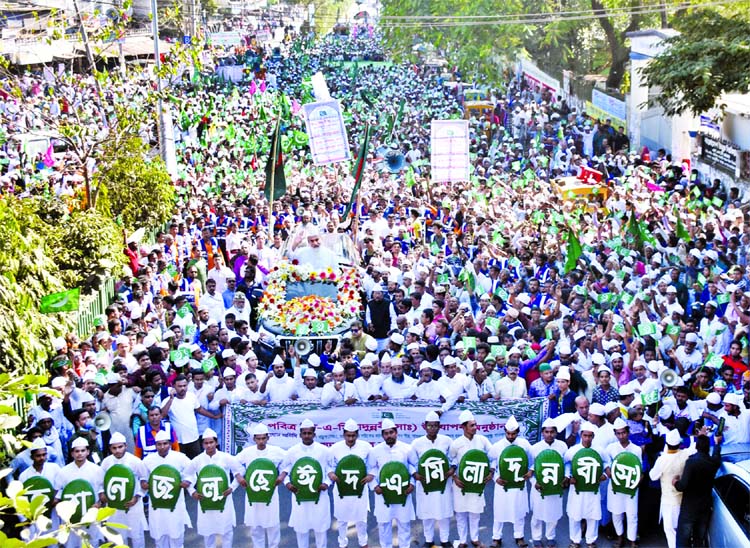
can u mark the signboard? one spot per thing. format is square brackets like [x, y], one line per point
[327, 133]
[283, 420]
[708, 123]
[595, 112]
[449, 146]
[225, 39]
[616, 108]
[719, 153]
[535, 76]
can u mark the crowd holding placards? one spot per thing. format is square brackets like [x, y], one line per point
[627, 308]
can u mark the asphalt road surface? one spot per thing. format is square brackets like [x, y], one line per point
[654, 539]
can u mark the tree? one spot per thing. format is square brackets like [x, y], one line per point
[711, 57]
[134, 188]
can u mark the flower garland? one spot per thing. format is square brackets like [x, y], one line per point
[311, 313]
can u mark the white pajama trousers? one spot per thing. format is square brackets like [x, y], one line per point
[592, 530]
[361, 527]
[165, 541]
[428, 527]
[385, 531]
[258, 536]
[321, 539]
[226, 539]
[467, 524]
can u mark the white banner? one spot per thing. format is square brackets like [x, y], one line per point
[283, 420]
[326, 132]
[613, 106]
[449, 151]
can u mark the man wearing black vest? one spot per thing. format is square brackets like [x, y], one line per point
[380, 317]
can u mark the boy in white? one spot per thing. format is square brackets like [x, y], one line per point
[134, 519]
[548, 510]
[435, 506]
[216, 523]
[390, 449]
[623, 506]
[167, 528]
[468, 506]
[263, 519]
[368, 385]
[40, 467]
[350, 509]
[511, 505]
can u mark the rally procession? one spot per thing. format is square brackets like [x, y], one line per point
[371, 301]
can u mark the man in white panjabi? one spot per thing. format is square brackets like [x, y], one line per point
[512, 505]
[212, 524]
[351, 509]
[134, 519]
[262, 519]
[80, 468]
[392, 450]
[583, 505]
[434, 507]
[309, 515]
[166, 527]
[622, 506]
[468, 506]
[667, 469]
[546, 511]
[314, 255]
[41, 467]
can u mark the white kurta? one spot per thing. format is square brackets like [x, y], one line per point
[467, 502]
[331, 397]
[163, 522]
[309, 515]
[262, 515]
[512, 505]
[435, 505]
[582, 505]
[348, 509]
[89, 472]
[134, 518]
[381, 455]
[216, 522]
[50, 471]
[620, 503]
[549, 508]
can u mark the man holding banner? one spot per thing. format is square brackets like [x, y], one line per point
[312, 513]
[213, 468]
[351, 497]
[433, 483]
[262, 518]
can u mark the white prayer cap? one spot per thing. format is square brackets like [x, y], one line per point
[42, 415]
[588, 427]
[117, 437]
[432, 416]
[665, 412]
[563, 373]
[598, 358]
[351, 426]
[691, 338]
[611, 406]
[372, 358]
[386, 358]
[549, 423]
[371, 345]
[619, 424]
[412, 346]
[87, 398]
[387, 424]
[124, 339]
[424, 365]
[449, 360]
[713, 398]
[38, 444]
[578, 335]
[149, 341]
[162, 436]
[59, 382]
[228, 353]
[674, 438]
[465, 416]
[79, 442]
[338, 368]
[59, 344]
[511, 425]
[604, 369]
[260, 429]
[209, 433]
[563, 348]
[277, 361]
[653, 366]
[310, 372]
[597, 409]
[314, 360]
[626, 390]
[307, 423]
[397, 338]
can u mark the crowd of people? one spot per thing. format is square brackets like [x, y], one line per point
[627, 309]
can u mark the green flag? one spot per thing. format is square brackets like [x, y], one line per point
[682, 232]
[65, 301]
[208, 364]
[444, 279]
[650, 397]
[574, 252]
[468, 278]
[359, 169]
[275, 167]
[647, 328]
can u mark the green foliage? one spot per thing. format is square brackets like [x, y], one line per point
[27, 273]
[139, 190]
[711, 57]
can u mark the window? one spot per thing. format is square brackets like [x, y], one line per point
[736, 496]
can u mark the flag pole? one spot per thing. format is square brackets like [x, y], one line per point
[273, 177]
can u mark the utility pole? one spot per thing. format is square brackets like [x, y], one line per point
[92, 66]
[164, 121]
